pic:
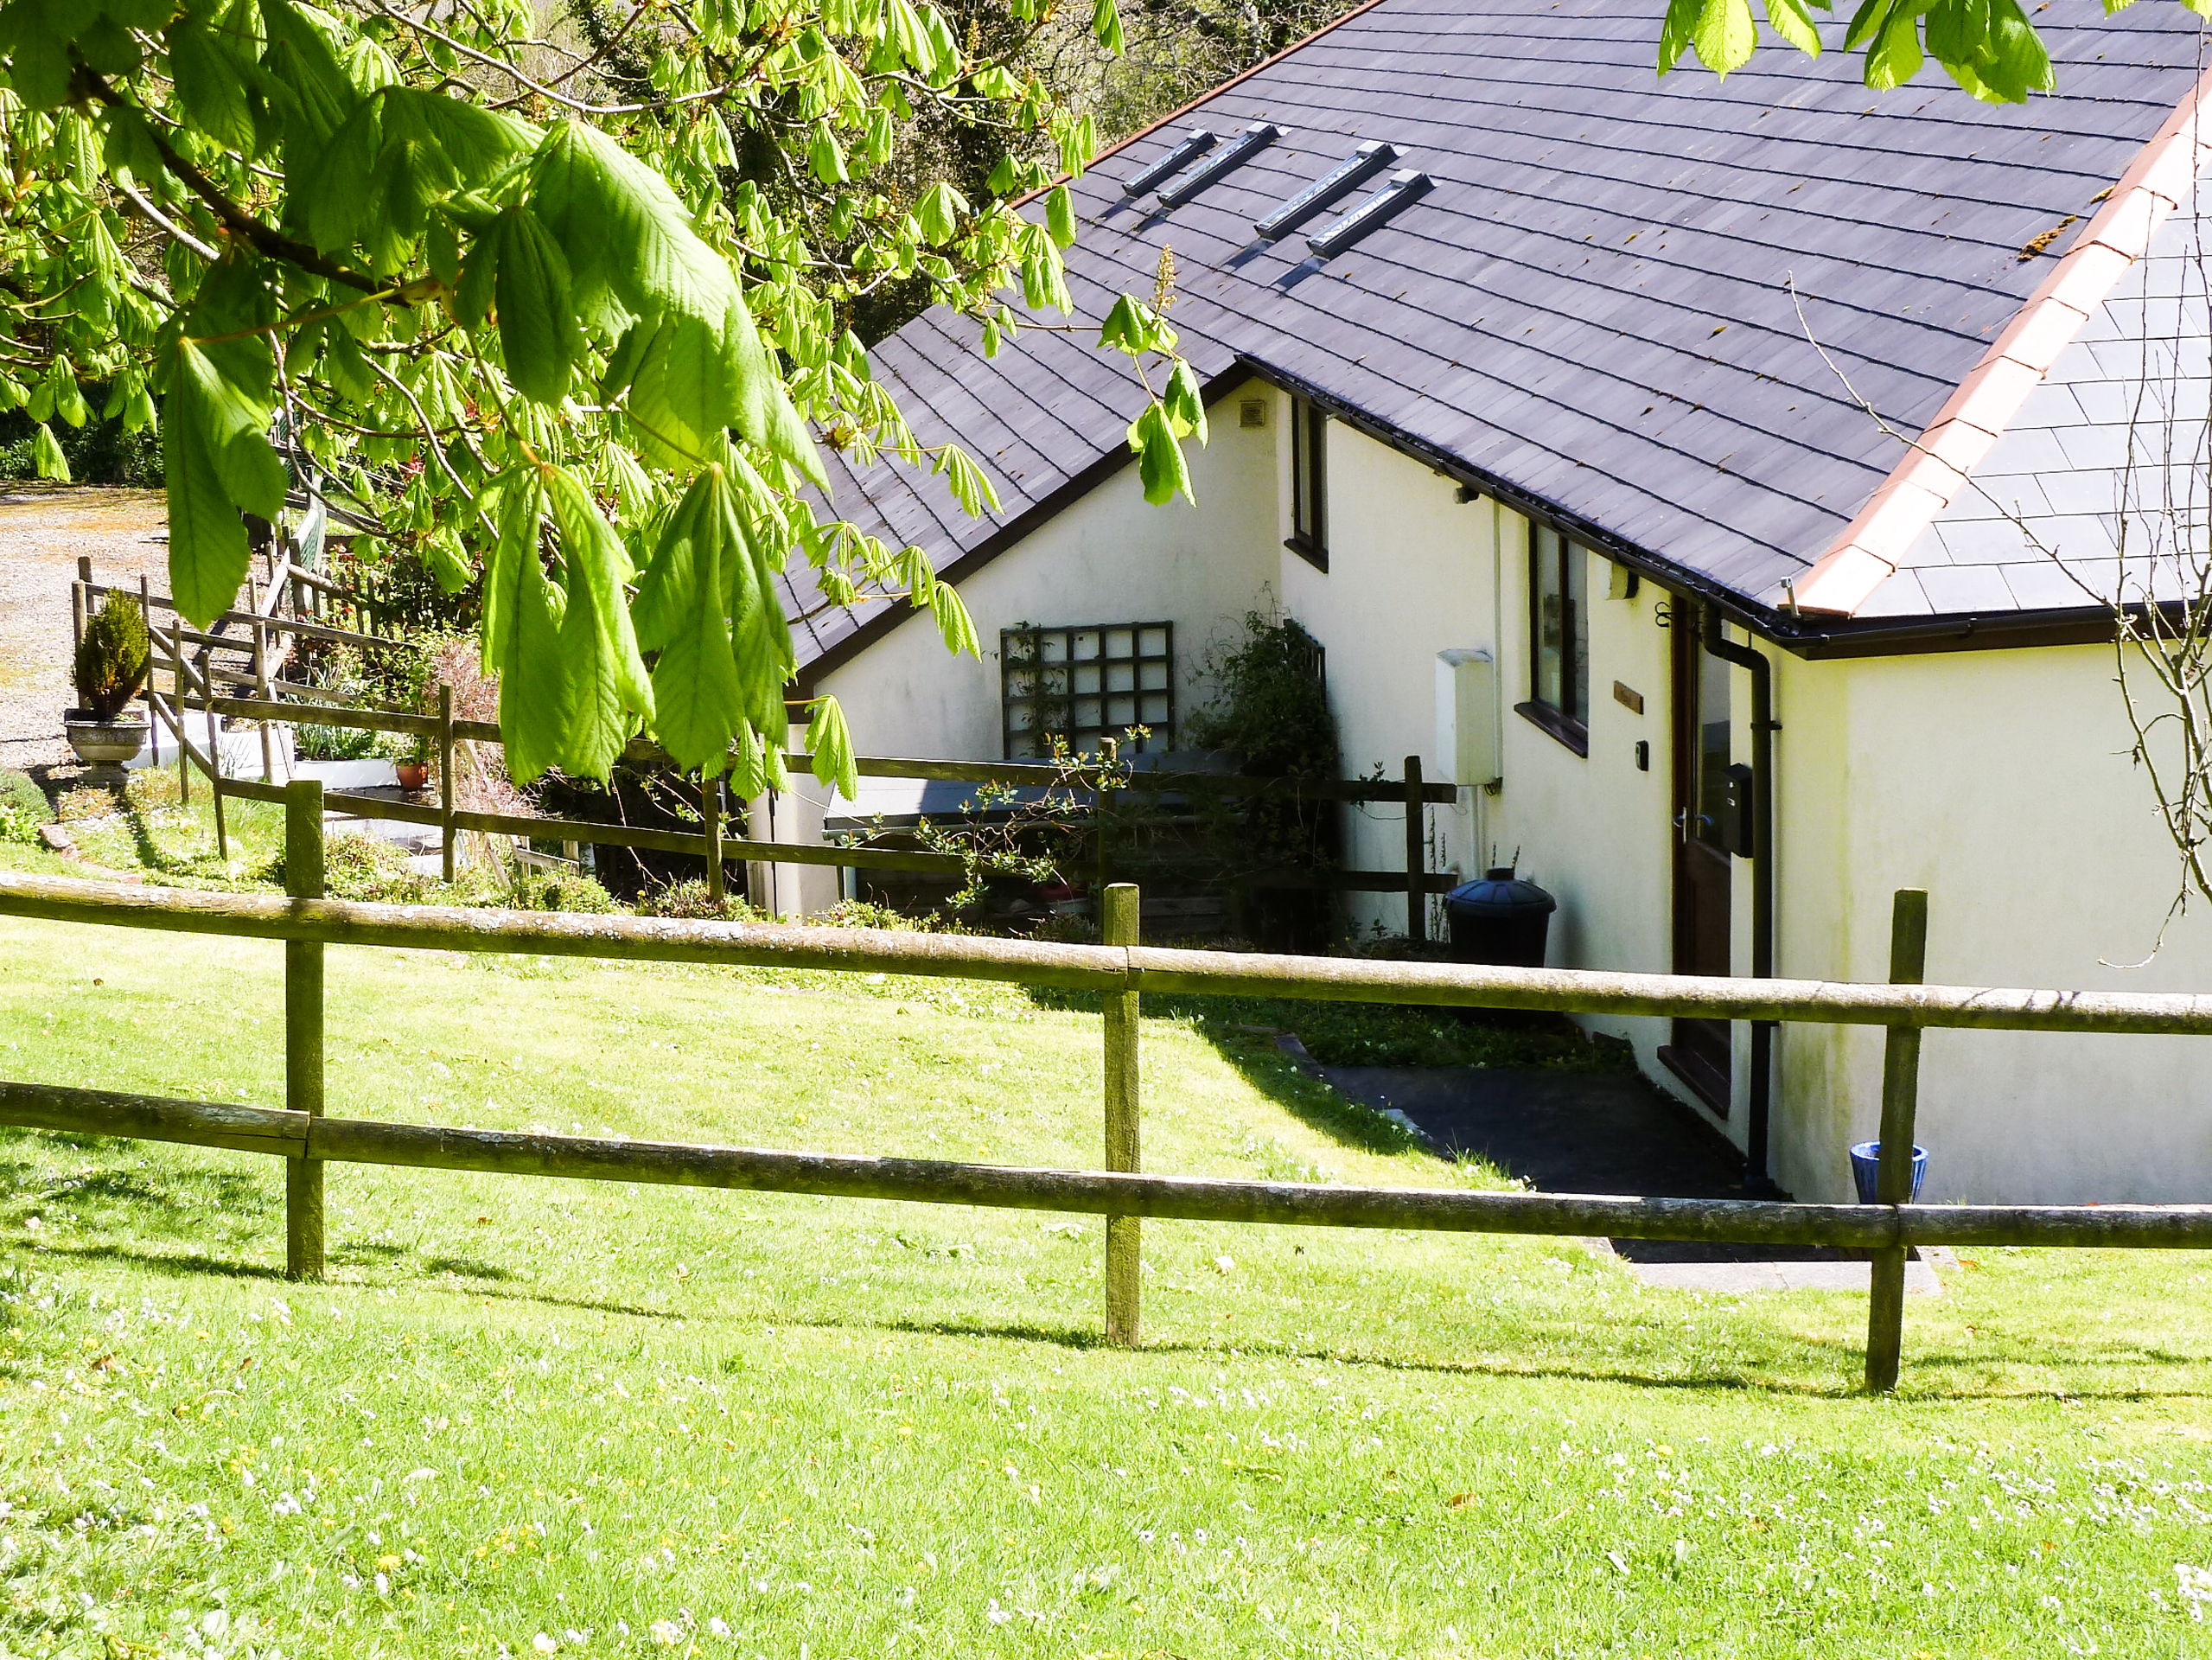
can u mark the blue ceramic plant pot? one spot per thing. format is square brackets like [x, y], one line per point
[1865, 1162]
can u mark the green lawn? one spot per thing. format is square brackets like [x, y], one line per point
[621, 1420]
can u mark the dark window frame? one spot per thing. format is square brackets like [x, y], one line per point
[1063, 680]
[1555, 555]
[1309, 536]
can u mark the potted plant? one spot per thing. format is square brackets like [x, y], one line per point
[110, 669]
[413, 766]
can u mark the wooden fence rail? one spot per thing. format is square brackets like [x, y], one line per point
[1124, 970]
[313, 708]
[282, 578]
[1110, 1193]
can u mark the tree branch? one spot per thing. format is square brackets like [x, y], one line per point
[265, 237]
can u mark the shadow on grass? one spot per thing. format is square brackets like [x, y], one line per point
[196, 862]
[1243, 1030]
[166, 1204]
[581, 1304]
[1076, 1339]
[467, 1268]
[1833, 1365]
[196, 1262]
[1934, 1377]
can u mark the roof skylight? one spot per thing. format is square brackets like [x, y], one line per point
[1345, 177]
[1254, 138]
[1403, 189]
[1198, 142]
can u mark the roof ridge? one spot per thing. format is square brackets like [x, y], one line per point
[1206, 97]
[1965, 429]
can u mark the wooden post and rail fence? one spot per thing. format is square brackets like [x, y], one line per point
[197, 685]
[1121, 970]
[712, 843]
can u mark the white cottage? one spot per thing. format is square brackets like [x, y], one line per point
[1527, 377]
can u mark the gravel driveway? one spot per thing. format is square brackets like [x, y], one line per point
[41, 533]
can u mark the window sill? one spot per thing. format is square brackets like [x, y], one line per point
[1569, 731]
[1304, 548]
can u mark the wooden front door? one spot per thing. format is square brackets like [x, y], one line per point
[1700, 1052]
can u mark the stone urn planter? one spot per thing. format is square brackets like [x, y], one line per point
[104, 745]
[112, 657]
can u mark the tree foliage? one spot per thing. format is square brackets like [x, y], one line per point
[559, 299]
[1989, 48]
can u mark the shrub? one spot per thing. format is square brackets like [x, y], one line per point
[15, 825]
[688, 902]
[112, 661]
[21, 791]
[364, 868]
[99, 452]
[1055, 929]
[333, 743]
[1270, 703]
[866, 913]
[536, 890]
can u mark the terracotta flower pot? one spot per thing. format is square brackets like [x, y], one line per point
[413, 774]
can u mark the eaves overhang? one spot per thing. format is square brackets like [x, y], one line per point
[1810, 636]
[1669, 574]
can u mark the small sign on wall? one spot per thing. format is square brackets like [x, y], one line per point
[1628, 697]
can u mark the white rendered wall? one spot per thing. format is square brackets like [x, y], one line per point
[1110, 557]
[1595, 830]
[1997, 780]
[1410, 574]
[1413, 571]
[2000, 781]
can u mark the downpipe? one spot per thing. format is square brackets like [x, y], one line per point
[1756, 1156]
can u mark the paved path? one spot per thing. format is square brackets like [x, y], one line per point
[41, 533]
[1606, 1133]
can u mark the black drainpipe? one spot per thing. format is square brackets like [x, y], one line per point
[1764, 728]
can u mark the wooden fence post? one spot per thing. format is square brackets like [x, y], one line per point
[80, 604]
[446, 832]
[214, 758]
[303, 1029]
[1416, 856]
[261, 689]
[1885, 1307]
[711, 813]
[176, 709]
[1123, 1149]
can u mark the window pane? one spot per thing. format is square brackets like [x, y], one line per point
[1578, 590]
[1309, 481]
[1317, 477]
[1712, 746]
[1547, 605]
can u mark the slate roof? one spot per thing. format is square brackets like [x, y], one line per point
[1592, 311]
[2097, 491]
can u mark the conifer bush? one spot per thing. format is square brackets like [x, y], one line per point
[111, 663]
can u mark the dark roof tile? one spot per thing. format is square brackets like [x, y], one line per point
[1547, 315]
